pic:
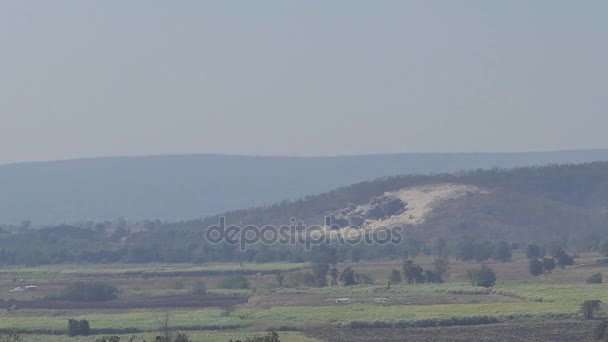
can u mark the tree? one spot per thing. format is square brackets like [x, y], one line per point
[440, 248]
[333, 273]
[413, 273]
[431, 277]
[534, 251]
[348, 277]
[280, 278]
[589, 307]
[595, 279]
[485, 276]
[466, 250]
[163, 325]
[228, 309]
[320, 265]
[319, 270]
[548, 264]
[502, 252]
[78, 327]
[395, 277]
[536, 267]
[563, 258]
[440, 268]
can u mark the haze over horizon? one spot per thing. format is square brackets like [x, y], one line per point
[90, 79]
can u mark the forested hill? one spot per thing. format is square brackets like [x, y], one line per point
[569, 186]
[563, 204]
[192, 186]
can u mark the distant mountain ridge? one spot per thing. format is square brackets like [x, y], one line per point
[562, 205]
[190, 186]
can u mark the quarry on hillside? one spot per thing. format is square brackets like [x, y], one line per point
[408, 206]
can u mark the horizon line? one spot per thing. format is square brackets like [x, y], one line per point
[279, 156]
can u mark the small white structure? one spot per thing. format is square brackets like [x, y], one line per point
[31, 288]
[343, 301]
[16, 289]
[380, 300]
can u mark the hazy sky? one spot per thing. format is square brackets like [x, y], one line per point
[97, 78]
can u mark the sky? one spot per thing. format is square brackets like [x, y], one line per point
[300, 78]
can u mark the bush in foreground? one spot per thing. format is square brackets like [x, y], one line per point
[270, 337]
[589, 307]
[485, 276]
[78, 327]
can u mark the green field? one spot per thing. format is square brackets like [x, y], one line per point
[518, 298]
[67, 271]
[196, 336]
[555, 300]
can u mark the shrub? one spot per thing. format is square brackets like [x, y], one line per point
[78, 327]
[302, 278]
[589, 307]
[88, 292]
[280, 278]
[502, 252]
[181, 337]
[108, 339]
[549, 264]
[563, 258]
[595, 279]
[534, 251]
[413, 272]
[348, 277]
[485, 276]
[270, 337]
[536, 267]
[365, 279]
[235, 282]
[228, 309]
[395, 277]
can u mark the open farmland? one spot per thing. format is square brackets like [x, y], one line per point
[518, 301]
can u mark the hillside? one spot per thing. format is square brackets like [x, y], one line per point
[564, 204]
[553, 202]
[193, 186]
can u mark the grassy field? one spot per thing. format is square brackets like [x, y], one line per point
[518, 298]
[554, 300]
[117, 270]
[196, 336]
